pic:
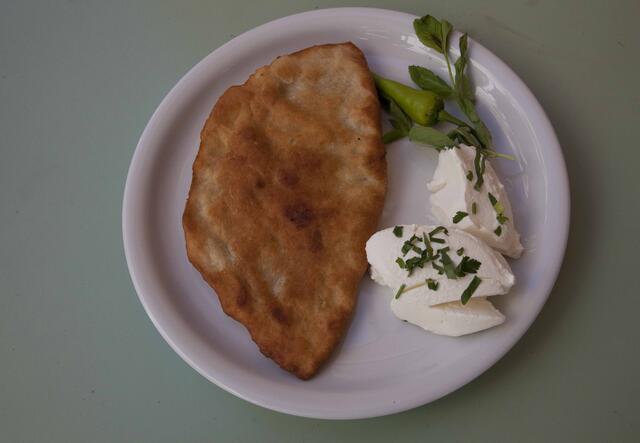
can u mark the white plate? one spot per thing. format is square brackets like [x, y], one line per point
[384, 365]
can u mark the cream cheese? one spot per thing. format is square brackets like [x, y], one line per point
[453, 191]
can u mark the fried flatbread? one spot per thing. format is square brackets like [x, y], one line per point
[288, 185]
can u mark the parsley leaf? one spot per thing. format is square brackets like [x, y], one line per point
[429, 81]
[429, 32]
[498, 231]
[430, 136]
[468, 265]
[397, 231]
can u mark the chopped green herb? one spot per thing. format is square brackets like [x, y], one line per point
[448, 266]
[466, 295]
[418, 261]
[409, 244]
[400, 291]
[439, 229]
[474, 208]
[470, 176]
[397, 231]
[498, 231]
[436, 231]
[432, 284]
[427, 244]
[479, 165]
[437, 267]
[499, 208]
[467, 265]
[412, 263]
[459, 216]
[460, 251]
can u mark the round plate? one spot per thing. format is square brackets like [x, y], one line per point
[384, 365]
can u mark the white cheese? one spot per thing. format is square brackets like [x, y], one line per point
[451, 319]
[452, 191]
[384, 247]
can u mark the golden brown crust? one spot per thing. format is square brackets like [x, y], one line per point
[288, 185]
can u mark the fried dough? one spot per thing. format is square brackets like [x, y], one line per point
[288, 185]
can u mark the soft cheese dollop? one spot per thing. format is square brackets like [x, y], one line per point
[452, 319]
[384, 247]
[452, 190]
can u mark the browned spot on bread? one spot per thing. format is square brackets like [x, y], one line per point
[288, 178]
[243, 298]
[278, 313]
[299, 214]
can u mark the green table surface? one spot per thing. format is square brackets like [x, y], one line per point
[81, 362]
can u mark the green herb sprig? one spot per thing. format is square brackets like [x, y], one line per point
[406, 105]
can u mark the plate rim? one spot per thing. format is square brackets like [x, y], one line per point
[562, 233]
